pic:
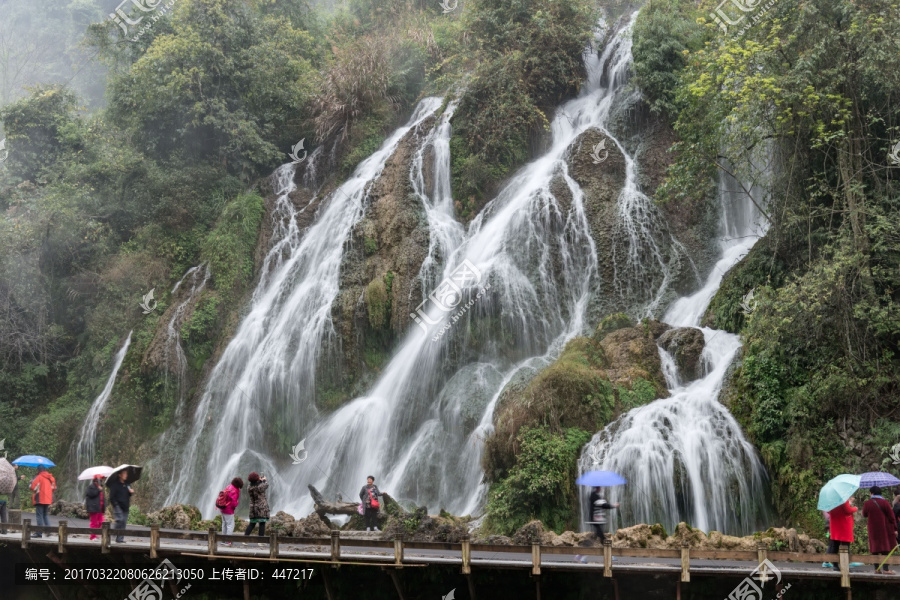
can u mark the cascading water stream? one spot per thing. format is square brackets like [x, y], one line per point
[529, 264]
[685, 457]
[421, 430]
[84, 453]
[264, 384]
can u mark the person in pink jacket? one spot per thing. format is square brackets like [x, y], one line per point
[232, 498]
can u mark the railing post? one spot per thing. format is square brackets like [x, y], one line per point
[607, 555]
[844, 556]
[761, 556]
[211, 542]
[535, 559]
[104, 538]
[466, 555]
[335, 545]
[154, 539]
[63, 535]
[26, 532]
[398, 550]
[273, 545]
[685, 561]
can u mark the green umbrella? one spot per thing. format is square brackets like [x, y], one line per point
[837, 491]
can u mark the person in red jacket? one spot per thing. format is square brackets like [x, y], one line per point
[881, 526]
[841, 524]
[233, 498]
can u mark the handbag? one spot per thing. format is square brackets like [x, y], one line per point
[373, 501]
[361, 509]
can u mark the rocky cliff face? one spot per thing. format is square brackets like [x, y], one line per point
[593, 381]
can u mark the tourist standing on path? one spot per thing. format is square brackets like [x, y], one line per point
[841, 522]
[95, 503]
[43, 487]
[120, 497]
[232, 499]
[881, 525]
[259, 504]
[599, 517]
[369, 496]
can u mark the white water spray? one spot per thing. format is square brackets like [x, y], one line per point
[84, 455]
[685, 457]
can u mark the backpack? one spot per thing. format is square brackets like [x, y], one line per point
[222, 500]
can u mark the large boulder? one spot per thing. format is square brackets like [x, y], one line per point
[686, 345]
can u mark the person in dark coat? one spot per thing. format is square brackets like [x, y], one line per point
[259, 504]
[120, 498]
[95, 503]
[369, 496]
[599, 517]
[881, 524]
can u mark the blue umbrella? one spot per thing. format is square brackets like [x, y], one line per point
[33, 460]
[601, 479]
[837, 491]
[867, 480]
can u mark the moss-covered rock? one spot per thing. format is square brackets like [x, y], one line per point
[686, 345]
[177, 516]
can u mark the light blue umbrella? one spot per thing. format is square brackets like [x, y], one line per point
[837, 491]
[601, 479]
[33, 460]
[867, 480]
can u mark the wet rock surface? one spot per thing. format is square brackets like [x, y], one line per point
[686, 345]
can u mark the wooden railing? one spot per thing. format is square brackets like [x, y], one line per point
[465, 547]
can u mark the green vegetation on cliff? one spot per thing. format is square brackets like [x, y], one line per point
[813, 87]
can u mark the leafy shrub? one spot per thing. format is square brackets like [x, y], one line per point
[542, 483]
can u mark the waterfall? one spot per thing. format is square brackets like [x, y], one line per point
[501, 300]
[173, 353]
[265, 377]
[85, 450]
[526, 264]
[685, 457]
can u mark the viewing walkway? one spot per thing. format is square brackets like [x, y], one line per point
[359, 548]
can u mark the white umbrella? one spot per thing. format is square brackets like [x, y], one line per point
[89, 474]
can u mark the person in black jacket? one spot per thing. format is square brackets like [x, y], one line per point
[95, 503]
[120, 498]
[369, 496]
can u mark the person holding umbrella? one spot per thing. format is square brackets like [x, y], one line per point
[881, 525]
[836, 497]
[120, 497]
[95, 503]
[42, 486]
[599, 507]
